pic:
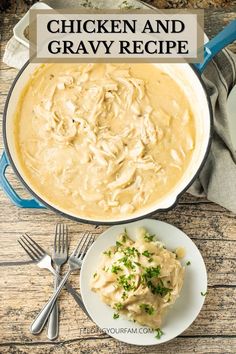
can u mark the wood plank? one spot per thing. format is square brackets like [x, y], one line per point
[29, 287]
[95, 345]
[219, 255]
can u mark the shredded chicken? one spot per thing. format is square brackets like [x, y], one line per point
[111, 122]
[139, 278]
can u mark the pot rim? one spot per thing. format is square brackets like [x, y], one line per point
[98, 222]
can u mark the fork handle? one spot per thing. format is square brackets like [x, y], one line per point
[72, 291]
[53, 322]
[40, 321]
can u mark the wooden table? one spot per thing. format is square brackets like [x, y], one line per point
[24, 288]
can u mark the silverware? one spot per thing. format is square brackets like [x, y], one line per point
[40, 257]
[59, 257]
[74, 262]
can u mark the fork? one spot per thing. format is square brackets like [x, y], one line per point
[74, 262]
[59, 257]
[44, 261]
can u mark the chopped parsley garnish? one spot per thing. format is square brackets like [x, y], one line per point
[125, 236]
[188, 263]
[148, 237]
[127, 262]
[95, 274]
[159, 288]
[118, 244]
[124, 281]
[203, 294]
[147, 254]
[107, 253]
[124, 296]
[159, 333]
[131, 251]
[118, 306]
[147, 308]
[115, 316]
[115, 269]
[105, 269]
[151, 272]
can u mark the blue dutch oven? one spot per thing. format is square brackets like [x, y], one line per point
[188, 76]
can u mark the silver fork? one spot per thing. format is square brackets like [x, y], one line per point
[40, 257]
[74, 262]
[59, 257]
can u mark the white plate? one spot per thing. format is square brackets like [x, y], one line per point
[182, 313]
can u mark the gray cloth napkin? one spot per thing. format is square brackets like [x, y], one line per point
[217, 179]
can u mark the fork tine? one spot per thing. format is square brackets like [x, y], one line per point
[34, 245]
[66, 242]
[28, 249]
[56, 238]
[59, 236]
[63, 238]
[80, 243]
[85, 246]
[31, 247]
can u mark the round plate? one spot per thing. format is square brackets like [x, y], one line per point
[180, 315]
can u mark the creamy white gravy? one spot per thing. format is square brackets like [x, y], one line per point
[103, 140]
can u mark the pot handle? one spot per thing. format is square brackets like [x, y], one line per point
[10, 192]
[219, 42]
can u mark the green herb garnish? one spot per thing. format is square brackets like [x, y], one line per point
[147, 308]
[118, 306]
[159, 288]
[115, 316]
[124, 296]
[127, 262]
[115, 269]
[203, 294]
[151, 272]
[131, 251]
[125, 236]
[148, 237]
[159, 333]
[188, 263]
[107, 253]
[124, 281]
[118, 244]
[95, 274]
[147, 254]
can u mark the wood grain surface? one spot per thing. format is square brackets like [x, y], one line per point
[24, 288]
